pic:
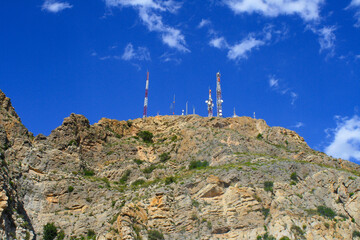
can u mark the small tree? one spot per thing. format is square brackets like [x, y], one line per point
[155, 235]
[164, 157]
[294, 177]
[50, 231]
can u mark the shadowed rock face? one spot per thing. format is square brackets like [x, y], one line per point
[105, 178]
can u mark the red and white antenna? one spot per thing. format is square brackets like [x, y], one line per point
[219, 100]
[210, 105]
[146, 96]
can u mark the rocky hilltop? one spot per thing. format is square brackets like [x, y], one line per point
[172, 177]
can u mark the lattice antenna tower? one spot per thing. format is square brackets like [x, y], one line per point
[210, 105]
[146, 96]
[219, 100]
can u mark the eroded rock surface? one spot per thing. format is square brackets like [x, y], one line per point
[199, 178]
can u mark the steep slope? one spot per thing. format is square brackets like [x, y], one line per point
[196, 178]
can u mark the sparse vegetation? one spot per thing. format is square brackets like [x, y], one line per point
[284, 238]
[198, 164]
[259, 136]
[326, 212]
[88, 172]
[138, 182]
[60, 235]
[73, 143]
[174, 138]
[50, 231]
[164, 157]
[169, 180]
[129, 123]
[70, 189]
[266, 236]
[265, 212]
[268, 186]
[146, 136]
[356, 234]
[91, 234]
[155, 235]
[294, 177]
[125, 177]
[149, 169]
[298, 232]
[138, 161]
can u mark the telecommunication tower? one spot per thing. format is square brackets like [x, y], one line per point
[219, 100]
[234, 116]
[146, 96]
[210, 105]
[174, 105]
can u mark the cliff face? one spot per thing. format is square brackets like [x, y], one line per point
[196, 178]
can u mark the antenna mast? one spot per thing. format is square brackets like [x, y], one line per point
[174, 105]
[219, 100]
[146, 96]
[210, 105]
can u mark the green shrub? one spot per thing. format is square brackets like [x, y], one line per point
[125, 177]
[326, 212]
[266, 236]
[174, 138]
[149, 169]
[91, 234]
[297, 231]
[164, 157]
[265, 212]
[146, 136]
[70, 189]
[73, 142]
[169, 180]
[292, 183]
[294, 177]
[284, 238]
[268, 186]
[155, 235]
[138, 161]
[129, 123]
[327, 225]
[356, 234]
[50, 231]
[198, 164]
[259, 136]
[88, 172]
[351, 194]
[61, 235]
[138, 182]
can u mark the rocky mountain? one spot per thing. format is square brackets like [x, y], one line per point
[171, 177]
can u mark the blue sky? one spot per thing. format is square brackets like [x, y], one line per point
[296, 63]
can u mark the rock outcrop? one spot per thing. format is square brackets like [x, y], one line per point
[172, 177]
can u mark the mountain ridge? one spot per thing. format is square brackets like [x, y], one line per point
[172, 177]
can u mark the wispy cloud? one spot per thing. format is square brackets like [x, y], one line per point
[345, 138]
[308, 10]
[240, 50]
[298, 125]
[54, 6]
[170, 57]
[355, 4]
[204, 22]
[327, 38]
[274, 84]
[150, 14]
[243, 48]
[141, 53]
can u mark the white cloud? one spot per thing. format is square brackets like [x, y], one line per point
[149, 13]
[327, 38]
[298, 125]
[274, 83]
[308, 10]
[253, 41]
[218, 42]
[141, 53]
[355, 4]
[346, 139]
[204, 22]
[240, 50]
[55, 6]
